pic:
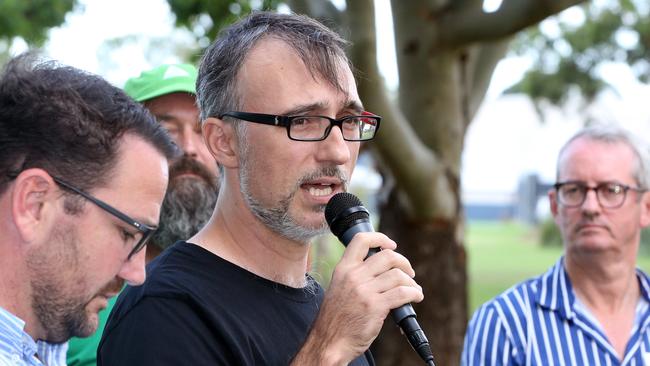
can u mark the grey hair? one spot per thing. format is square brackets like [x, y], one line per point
[319, 48]
[612, 134]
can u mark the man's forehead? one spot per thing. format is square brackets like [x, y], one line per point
[273, 68]
[614, 159]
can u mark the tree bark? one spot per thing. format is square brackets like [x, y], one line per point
[440, 265]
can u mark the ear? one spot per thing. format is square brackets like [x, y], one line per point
[552, 199]
[645, 209]
[32, 198]
[221, 141]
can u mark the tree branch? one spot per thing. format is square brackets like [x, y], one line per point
[483, 63]
[409, 160]
[471, 24]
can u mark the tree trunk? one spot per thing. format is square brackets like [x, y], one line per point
[436, 249]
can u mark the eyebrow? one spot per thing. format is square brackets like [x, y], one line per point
[165, 117]
[307, 108]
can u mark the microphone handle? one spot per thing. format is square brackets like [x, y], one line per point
[404, 316]
[363, 226]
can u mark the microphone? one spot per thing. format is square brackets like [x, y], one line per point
[346, 217]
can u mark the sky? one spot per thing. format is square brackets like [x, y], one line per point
[506, 140]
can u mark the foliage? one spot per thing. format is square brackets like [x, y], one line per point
[206, 17]
[549, 234]
[31, 20]
[569, 54]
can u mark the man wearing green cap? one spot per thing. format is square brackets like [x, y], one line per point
[168, 92]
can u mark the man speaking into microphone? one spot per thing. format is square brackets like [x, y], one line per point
[282, 117]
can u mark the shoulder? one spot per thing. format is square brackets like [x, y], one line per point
[512, 302]
[498, 328]
[505, 315]
[176, 283]
[183, 269]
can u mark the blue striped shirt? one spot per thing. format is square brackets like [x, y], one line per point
[17, 348]
[540, 322]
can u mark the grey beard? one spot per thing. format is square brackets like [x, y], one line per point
[277, 218]
[187, 206]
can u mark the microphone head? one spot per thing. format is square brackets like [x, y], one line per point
[342, 211]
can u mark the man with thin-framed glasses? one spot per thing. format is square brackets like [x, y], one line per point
[593, 306]
[83, 172]
[282, 117]
[169, 93]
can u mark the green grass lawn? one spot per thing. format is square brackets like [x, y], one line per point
[502, 254]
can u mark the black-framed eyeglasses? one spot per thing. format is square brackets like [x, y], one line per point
[145, 230]
[316, 128]
[609, 194]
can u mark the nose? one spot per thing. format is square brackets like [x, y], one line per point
[133, 271]
[334, 149]
[190, 142]
[591, 203]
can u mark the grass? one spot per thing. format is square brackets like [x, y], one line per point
[502, 254]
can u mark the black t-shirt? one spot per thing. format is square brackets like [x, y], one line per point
[198, 309]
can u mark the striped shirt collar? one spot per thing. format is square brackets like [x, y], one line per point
[19, 347]
[556, 293]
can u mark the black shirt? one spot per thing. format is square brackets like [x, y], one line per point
[198, 309]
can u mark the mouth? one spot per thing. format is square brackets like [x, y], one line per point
[188, 167]
[591, 227]
[320, 191]
[186, 174]
[323, 188]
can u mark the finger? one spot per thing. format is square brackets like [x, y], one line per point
[389, 280]
[387, 260]
[361, 243]
[401, 295]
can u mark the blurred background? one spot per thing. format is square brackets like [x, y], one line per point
[477, 97]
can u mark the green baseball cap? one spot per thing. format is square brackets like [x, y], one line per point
[162, 80]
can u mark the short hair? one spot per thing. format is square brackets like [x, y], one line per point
[67, 122]
[614, 134]
[319, 48]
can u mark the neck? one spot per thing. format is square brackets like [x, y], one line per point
[15, 277]
[603, 285]
[238, 237]
[15, 292]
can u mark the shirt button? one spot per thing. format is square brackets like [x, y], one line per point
[15, 358]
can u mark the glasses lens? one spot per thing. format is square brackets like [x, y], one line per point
[355, 128]
[308, 128]
[572, 194]
[368, 128]
[611, 194]
[359, 128]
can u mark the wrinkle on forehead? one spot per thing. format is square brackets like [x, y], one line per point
[274, 70]
[321, 62]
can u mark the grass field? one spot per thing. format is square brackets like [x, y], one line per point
[502, 254]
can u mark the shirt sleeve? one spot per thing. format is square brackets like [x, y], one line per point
[487, 342]
[160, 331]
